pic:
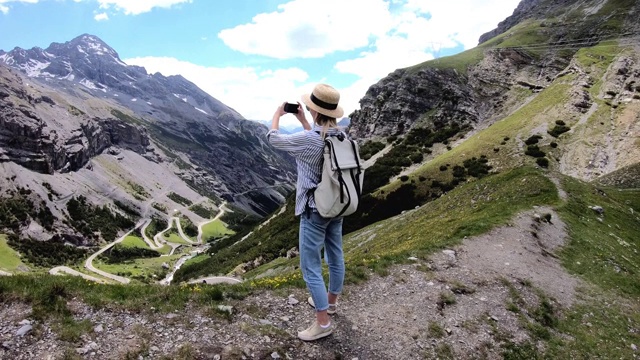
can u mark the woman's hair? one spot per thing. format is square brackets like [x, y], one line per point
[326, 122]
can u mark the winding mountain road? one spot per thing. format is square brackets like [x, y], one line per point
[61, 270]
[222, 211]
[155, 244]
[88, 264]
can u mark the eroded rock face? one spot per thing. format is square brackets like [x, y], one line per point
[437, 93]
[395, 103]
[524, 10]
[439, 97]
[25, 138]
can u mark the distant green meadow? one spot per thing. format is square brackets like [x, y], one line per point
[9, 258]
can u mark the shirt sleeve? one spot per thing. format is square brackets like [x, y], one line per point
[293, 144]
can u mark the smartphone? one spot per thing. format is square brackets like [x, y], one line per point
[291, 108]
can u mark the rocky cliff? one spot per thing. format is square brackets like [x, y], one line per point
[540, 43]
[436, 97]
[39, 145]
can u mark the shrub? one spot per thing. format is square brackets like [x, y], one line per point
[554, 144]
[47, 253]
[179, 199]
[160, 207]
[201, 211]
[534, 150]
[404, 178]
[459, 172]
[119, 254]
[543, 162]
[188, 227]
[533, 140]
[558, 130]
[87, 219]
[443, 168]
[126, 208]
[477, 167]
[238, 220]
[370, 148]
[560, 122]
[416, 158]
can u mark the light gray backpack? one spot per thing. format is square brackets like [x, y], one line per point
[339, 190]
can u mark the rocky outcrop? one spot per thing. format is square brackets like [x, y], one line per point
[434, 97]
[27, 139]
[466, 91]
[402, 98]
[526, 9]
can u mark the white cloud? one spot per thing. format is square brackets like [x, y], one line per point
[463, 20]
[101, 17]
[136, 7]
[255, 93]
[5, 9]
[310, 28]
[391, 34]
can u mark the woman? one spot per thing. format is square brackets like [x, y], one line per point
[316, 232]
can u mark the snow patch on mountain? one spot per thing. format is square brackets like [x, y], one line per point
[34, 68]
[181, 97]
[91, 85]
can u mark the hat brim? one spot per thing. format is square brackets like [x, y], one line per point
[337, 113]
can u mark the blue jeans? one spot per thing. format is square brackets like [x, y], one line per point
[316, 232]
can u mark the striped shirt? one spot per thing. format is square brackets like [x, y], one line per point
[307, 148]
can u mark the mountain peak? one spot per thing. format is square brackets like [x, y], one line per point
[87, 44]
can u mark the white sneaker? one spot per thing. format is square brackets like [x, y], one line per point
[333, 308]
[315, 332]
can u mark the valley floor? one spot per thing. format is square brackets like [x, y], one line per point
[493, 296]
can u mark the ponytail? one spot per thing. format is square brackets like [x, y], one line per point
[326, 122]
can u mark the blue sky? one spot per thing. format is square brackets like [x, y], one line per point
[254, 54]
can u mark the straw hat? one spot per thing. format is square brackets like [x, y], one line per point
[324, 99]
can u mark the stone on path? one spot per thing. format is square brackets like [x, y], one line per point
[24, 330]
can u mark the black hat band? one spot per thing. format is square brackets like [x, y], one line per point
[322, 104]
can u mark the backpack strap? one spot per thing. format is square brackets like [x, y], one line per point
[335, 161]
[307, 208]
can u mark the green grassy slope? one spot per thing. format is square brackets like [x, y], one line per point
[215, 229]
[9, 258]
